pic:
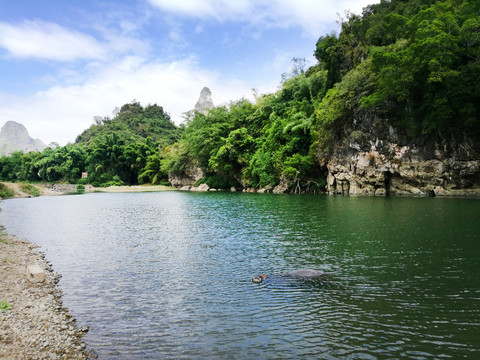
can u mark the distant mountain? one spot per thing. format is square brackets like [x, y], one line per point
[205, 102]
[15, 137]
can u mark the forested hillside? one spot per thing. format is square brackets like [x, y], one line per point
[412, 64]
[112, 151]
[134, 122]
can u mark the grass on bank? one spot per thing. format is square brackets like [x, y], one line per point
[5, 191]
[30, 190]
[4, 306]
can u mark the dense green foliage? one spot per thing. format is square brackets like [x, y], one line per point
[134, 121]
[112, 152]
[423, 62]
[413, 63]
[5, 191]
[30, 189]
[253, 145]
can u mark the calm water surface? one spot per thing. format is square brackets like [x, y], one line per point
[168, 274]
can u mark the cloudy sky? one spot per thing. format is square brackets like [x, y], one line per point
[64, 62]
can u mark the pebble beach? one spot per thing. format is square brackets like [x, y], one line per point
[33, 322]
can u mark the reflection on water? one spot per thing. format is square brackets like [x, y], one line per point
[168, 275]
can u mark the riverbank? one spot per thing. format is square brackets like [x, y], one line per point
[65, 189]
[18, 190]
[33, 322]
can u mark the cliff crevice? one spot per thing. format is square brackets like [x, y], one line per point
[378, 159]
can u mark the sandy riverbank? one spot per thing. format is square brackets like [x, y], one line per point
[62, 189]
[33, 322]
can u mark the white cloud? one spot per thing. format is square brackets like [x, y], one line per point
[313, 16]
[62, 112]
[46, 40]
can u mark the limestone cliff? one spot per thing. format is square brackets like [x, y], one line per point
[204, 102]
[188, 178]
[376, 159]
[15, 137]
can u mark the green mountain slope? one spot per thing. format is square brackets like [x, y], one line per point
[135, 121]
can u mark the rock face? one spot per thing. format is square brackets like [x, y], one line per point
[375, 159]
[189, 178]
[14, 137]
[205, 102]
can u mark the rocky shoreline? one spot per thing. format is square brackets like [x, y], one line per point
[33, 322]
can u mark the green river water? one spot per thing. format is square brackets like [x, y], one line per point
[167, 275]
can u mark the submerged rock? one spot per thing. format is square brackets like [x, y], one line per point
[307, 273]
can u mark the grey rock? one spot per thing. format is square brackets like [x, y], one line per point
[281, 188]
[205, 102]
[377, 160]
[201, 187]
[188, 178]
[265, 190]
[15, 137]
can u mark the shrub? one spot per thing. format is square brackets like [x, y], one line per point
[216, 181]
[30, 189]
[82, 181]
[5, 191]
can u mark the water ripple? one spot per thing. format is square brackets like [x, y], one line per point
[168, 275]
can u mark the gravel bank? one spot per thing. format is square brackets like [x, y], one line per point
[33, 322]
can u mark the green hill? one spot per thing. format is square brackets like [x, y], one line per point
[134, 122]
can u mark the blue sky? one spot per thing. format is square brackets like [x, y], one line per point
[63, 62]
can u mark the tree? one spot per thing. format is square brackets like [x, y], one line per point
[296, 168]
[428, 79]
[328, 54]
[234, 155]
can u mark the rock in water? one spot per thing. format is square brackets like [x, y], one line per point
[307, 273]
[15, 137]
[205, 102]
